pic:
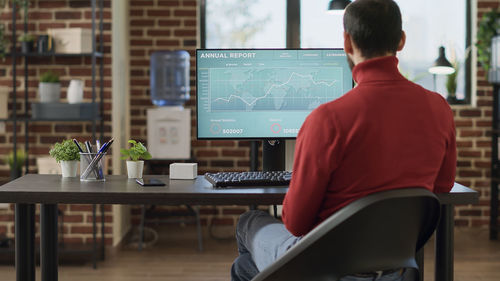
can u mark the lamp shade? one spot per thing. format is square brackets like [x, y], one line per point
[441, 65]
[337, 6]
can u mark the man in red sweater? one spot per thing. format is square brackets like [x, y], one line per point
[386, 133]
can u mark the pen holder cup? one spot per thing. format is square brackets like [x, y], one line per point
[92, 166]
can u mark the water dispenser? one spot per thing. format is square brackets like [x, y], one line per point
[169, 78]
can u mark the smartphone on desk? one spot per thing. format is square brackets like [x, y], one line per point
[150, 182]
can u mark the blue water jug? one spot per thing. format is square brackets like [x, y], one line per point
[169, 78]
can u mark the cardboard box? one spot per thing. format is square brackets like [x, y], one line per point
[4, 102]
[71, 40]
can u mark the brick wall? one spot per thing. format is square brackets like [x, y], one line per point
[172, 25]
[474, 143]
[44, 14]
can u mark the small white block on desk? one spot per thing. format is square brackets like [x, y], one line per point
[183, 171]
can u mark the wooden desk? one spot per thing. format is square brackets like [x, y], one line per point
[50, 190]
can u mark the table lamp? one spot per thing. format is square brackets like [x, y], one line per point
[337, 6]
[441, 65]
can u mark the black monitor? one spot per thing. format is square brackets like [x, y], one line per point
[264, 93]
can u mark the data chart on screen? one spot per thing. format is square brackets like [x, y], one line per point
[265, 93]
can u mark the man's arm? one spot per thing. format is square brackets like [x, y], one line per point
[315, 160]
[446, 176]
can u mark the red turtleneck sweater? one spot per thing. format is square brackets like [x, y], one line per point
[386, 133]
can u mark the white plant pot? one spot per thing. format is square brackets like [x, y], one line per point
[49, 92]
[134, 169]
[69, 169]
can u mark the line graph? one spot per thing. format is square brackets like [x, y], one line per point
[279, 88]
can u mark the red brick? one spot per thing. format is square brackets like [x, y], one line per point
[469, 173]
[470, 113]
[233, 211]
[158, 32]
[141, 3]
[234, 153]
[73, 218]
[158, 13]
[461, 163]
[44, 4]
[222, 143]
[463, 123]
[222, 221]
[168, 42]
[222, 163]
[185, 13]
[80, 208]
[464, 143]
[169, 23]
[169, 3]
[482, 164]
[207, 153]
[142, 22]
[470, 133]
[68, 128]
[185, 32]
[68, 15]
[476, 154]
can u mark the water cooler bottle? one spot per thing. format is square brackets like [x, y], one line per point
[169, 124]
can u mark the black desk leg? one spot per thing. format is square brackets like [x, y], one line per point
[48, 242]
[25, 242]
[444, 245]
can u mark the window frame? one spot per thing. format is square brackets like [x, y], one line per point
[293, 37]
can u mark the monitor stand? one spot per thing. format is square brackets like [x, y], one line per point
[273, 155]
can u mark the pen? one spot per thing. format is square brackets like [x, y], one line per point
[96, 159]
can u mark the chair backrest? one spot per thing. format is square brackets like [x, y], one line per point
[381, 231]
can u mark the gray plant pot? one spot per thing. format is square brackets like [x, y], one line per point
[49, 92]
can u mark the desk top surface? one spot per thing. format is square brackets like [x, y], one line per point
[49, 189]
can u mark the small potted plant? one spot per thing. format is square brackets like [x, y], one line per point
[27, 42]
[68, 155]
[136, 152]
[49, 87]
[16, 170]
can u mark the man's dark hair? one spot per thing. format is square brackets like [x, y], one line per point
[374, 26]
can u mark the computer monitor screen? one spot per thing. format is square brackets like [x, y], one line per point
[265, 93]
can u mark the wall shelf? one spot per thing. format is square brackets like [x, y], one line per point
[17, 117]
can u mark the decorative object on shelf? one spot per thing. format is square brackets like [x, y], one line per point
[49, 87]
[489, 26]
[75, 91]
[136, 152]
[27, 43]
[68, 154]
[17, 169]
[71, 40]
[44, 44]
[451, 84]
[4, 102]
[3, 41]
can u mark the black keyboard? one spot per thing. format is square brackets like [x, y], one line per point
[235, 179]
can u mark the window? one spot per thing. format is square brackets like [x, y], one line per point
[245, 23]
[428, 25]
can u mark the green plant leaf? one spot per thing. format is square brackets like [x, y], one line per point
[136, 151]
[65, 151]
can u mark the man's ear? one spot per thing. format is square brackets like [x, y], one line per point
[402, 41]
[348, 43]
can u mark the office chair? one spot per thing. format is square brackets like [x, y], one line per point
[382, 231]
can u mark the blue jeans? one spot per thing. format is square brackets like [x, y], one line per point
[262, 239]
